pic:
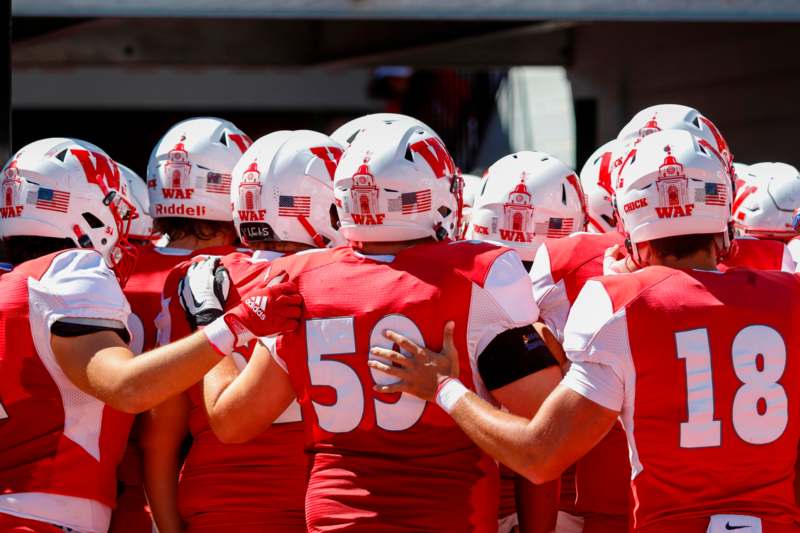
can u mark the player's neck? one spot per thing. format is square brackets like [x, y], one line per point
[701, 260]
[190, 242]
[386, 248]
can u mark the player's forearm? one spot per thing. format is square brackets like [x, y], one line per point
[161, 486]
[508, 438]
[140, 383]
[537, 505]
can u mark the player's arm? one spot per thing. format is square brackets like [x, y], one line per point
[164, 429]
[101, 364]
[565, 427]
[231, 397]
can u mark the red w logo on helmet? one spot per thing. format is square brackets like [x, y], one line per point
[99, 169]
[435, 154]
[330, 156]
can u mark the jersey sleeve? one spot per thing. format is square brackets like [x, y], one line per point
[596, 341]
[80, 289]
[504, 302]
[550, 295]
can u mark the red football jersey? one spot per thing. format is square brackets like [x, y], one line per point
[143, 291]
[702, 366]
[597, 487]
[760, 254]
[258, 485]
[56, 441]
[390, 462]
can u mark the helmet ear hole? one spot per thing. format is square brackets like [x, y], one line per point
[444, 211]
[92, 220]
[336, 223]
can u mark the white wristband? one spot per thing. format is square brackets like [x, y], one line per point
[220, 336]
[449, 393]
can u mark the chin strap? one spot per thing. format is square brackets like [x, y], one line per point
[318, 239]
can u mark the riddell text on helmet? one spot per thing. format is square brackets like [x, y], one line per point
[180, 210]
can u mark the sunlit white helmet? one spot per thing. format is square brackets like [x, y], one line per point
[189, 173]
[675, 185]
[769, 202]
[472, 186]
[598, 180]
[397, 183]
[664, 117]
[69, 189]
[527, 197]
[282, 190]
[142, 223]
[346, 133]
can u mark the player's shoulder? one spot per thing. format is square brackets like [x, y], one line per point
[299, 263]
[623, 289]
[573, 251]
[476, 261]
[66, 264]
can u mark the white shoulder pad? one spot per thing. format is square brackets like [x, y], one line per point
[510, 287]
[789, 261]
[79, 285]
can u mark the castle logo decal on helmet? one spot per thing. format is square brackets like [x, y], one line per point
[250, 195]
[517, 214]
[651, 126]
[11, 187]
[177, 169]
[672, 186]
[364, 194]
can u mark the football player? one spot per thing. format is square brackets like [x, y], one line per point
[391, 461]
[188, 189]
[527, 199]
[764, 209]
[282, 196]
[698, 364]
[595, 490]
[68, 379]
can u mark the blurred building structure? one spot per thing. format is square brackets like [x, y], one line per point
[118, 73]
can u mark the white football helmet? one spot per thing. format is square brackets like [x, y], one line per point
[528, 197]
[69, 189]
[674, 186]
[189, 173]
[769, 202]
[136, 192]
[598, 180]
[397, 182]
[472, 186]
[282, 189]
[677, 117]
[346, 133]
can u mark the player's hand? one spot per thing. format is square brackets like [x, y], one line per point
[615, 261]
[204, 291]
[421, 370]
[273, 308]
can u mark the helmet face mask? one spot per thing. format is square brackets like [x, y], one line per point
[397, 182]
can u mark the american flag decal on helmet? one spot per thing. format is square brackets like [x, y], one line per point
[218, 183]
[711, 194]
